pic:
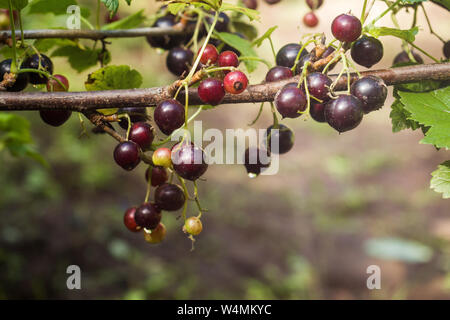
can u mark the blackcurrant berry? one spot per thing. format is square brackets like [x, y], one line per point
[251, 4]
[165, 42]
[21, 79]
[287, 54]
[148, 216]
[282, 135]
[189, 161]
[162, 157]
[169, 197]
[255, 160]
[211, 91]
[403, 57]
[169, 116]
[371, 91]
[367, 51]
[272, 1]
[209, 55]
[179, 60]
[344, 113]
[55, 118]
[193, 226]
[222, 22]
[158, 177]
[314, 4]
[317, 110]
[135, 114]
[290, 101]
[235, 82]
[157, 235]
[446, 49]
[129, 221]
[114, 18]
[38, 62]
[318, 85]
[301, 63]
[310, 19]
[278, 73]
[346, 28]
[142, 134]
[126, 155]
[54, 85]
[228, 59]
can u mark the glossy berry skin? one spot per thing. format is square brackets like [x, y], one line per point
[169, 197]
[317, 111]
[21, 79]
[129, 221]
[301, 63]
[126, 155]
[209, 55]
[255, 160]
[179, 60]
[136, 115]
[193, 226]
[235, 82]
[284, 136]
[287, 54]
[142, 134]
[211, 91]
[169, 116]
[55, 118]
[165, 42]
[346, 28]
[310, 20]
[251, 4]
[148, 216]
[158, 177]
[344, 113]
[278, 73]
[33, 62]
[189, 161]
[314, 4]
[367, 51]
[157, 235]
[289, 101]
[318, 85]
[371, 91]
[446, 50]
[162, 157]
[222, 23]
[54, 85]
[228, 59]
[403, 57]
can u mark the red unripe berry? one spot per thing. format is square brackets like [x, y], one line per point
[346, 28]
[209, 55]
[54, 85]
[211, 91]
[128, 220]
[310, 20]
[235, 82]
[228, 59]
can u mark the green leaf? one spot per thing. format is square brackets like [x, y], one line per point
[408, 35]
[248, 30]
[431, 109]
[441, 179]
[250, 13]
[17, 4]
[79, 58]
[57, 7]
[128, 22]
[444, 3]
[243, 46]
[258, 42]
[175, 8]
[111, 5]
[398, 249]
[399, 118]
[113, 77]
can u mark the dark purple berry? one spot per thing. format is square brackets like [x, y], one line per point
[289, 101]
[287, 54]
[278, 73]
[148, 216]
[126, 155]
[344, 113]
[403, 57]
[136, 115]
[142, 134]
[159, 175]
[169, 197]
[189, 161]
[255, 160]
[165, 42]
[367, 51]
[371, 91]
[169, 116]
[314, 4]
[318, 85]
[55, 118]
[446, 49]
[251, 4]
[211, 91]
[38, 62]
[179, 60]
[21, 79]
[346, 28]
[317, 110]
[222, 22]
[281, 135]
